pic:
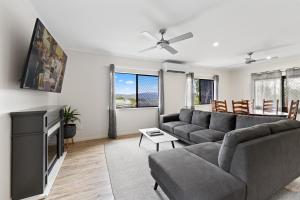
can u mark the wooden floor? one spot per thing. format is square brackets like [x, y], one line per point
[84, 174]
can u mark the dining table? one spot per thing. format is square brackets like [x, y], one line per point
[260, 112]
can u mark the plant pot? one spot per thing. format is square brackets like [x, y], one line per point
[69, 131]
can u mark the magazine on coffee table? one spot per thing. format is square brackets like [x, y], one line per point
[154, 132]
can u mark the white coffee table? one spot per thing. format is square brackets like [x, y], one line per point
[157, 139]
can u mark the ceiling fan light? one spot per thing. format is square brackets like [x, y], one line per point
[268, 57]
[215, 44]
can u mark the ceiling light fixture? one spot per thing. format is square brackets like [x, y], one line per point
[268, 57]
[216, 44]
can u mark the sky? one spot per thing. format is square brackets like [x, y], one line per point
[126, 83]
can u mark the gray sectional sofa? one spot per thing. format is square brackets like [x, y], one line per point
[252, 163]
[195, 126]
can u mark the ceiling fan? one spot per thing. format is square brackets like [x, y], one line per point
[163, 43]
[250, 59]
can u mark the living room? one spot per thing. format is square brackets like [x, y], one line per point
[124, 69]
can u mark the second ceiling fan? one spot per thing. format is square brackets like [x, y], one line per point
[250, 59]
[163, 43]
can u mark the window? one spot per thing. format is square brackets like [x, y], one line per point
[292, 90]
[136, 90]
[276, 86]
[204, 91]
[125, 89]
[268, 86]
[269, 89]
[147, 91]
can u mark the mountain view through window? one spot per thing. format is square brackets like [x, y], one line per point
[134, 90]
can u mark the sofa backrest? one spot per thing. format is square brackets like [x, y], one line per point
[185, 115]
[244, 121]
[221, 121]
[201, 118]
[266, 164]
[284, 125]
[234, 138]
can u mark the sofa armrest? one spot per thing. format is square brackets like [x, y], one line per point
[169, 118]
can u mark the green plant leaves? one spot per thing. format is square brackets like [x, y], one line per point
[71, 115]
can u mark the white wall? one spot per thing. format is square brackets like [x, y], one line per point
[17, 20]
[86, 87]
[129, 120]
[225, 88]
[132, 119]
[174, 89]
[241, 78]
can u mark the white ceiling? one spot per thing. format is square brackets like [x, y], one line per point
[114, 26]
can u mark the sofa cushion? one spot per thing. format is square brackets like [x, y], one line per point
[208, 151]
[283, 125]
[233, 138]
[224, 122]
[184, 131]
[244, 121]
[201, 118]
[185, 115]
[184, 175]
[169, 126]
[206, 135]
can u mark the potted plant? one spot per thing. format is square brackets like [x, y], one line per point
[70, 117]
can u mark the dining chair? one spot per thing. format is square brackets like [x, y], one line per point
[293, 110]
[221, 106]
[213, 106]
[240, 107]
[268, 105]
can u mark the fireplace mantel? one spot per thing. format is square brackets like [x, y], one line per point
[30, 130]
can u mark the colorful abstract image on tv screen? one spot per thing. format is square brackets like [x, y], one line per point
[46, 62]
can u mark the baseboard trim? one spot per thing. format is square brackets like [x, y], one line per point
[129, 135]
[93, 137]
[123, 136]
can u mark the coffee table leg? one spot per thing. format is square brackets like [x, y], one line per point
[173, 145]
[141, 139]
[157, 147]
[155, 186]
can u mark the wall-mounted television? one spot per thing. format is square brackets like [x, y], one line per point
[46, 62]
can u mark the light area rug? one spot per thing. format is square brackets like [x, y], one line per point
[130, 174]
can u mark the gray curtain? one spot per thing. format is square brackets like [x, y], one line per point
[266, 85]
[161, 104]
[189, 91]
[112, 130]
[293, 85]
[216, 87]
[266, 75]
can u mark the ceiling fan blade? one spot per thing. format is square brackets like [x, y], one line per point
[274, 47]
[267, 58]
[261, 59]
[273, 57]
[170, 49]
[250, 61]
[181, 37]
[149, 36]
[148, 49]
